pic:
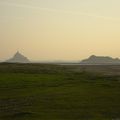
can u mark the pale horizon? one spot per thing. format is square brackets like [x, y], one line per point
[69, 30]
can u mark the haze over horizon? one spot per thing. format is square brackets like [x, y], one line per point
[59, 29]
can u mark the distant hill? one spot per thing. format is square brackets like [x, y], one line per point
[18, 58]
[100, 60]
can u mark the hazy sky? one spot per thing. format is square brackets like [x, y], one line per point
[59, 29]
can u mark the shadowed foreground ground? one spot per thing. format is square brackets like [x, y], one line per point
[53, 92]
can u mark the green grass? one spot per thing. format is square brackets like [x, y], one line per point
[49, 92]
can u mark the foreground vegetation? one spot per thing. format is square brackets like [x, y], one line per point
[54, 92]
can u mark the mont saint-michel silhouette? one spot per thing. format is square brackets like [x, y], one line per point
[18, 58]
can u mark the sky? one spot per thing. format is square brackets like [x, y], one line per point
[59, 29]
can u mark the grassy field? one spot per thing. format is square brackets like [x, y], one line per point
[56, 92]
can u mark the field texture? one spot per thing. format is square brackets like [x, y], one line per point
[56, 92]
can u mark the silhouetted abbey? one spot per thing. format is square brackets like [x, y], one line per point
[18, 58]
